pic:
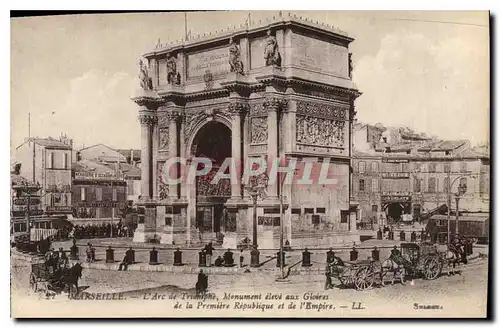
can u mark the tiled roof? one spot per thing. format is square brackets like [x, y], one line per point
[449, 145]
[86, 165]
[52, 143]
[126, 152]
[127, 169]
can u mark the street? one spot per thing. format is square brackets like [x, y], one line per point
[441, 297]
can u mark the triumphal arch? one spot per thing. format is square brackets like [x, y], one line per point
[280, 89]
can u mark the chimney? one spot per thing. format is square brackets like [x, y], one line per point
[131, 156]
[78, 156]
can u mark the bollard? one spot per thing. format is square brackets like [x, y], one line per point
[376, 254]
[306, 258]
[73, 252]
[178, 257]
[228, 258]
[153, 256]
[280, 256]
[413, 236]
[402, 235]
[110, 255]
[131, 255]
[354, 254]
[254, 257]
[379, 234]
[330, 255]
[202, 259]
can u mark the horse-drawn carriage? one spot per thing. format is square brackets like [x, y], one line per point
[45, 277]
[411, 260]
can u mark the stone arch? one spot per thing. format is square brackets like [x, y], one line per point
[202, 122]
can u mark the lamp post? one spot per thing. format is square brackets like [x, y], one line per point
[255, 189]
[462, 189]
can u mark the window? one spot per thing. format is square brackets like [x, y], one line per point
[446, 183]
[51, 160]
[374, 167]
[344, 216]
[432, 167]
[65, 161]
[361, 185]
[308, 210]
[83, 195]
[296, 211]
[315, 219]
[463, 167]
[439, 168]
[320, 210]
[114, 194]
[405, 167]
[463, 181]
[362, 167]
[98, 194]
[374, 185]
[374, 208]
[447, 167]
[417, 187]
[431, 187]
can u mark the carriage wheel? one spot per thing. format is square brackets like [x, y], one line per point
[33, 282]
[432, 268]
[364, 278]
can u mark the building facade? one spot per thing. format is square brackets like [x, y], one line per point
[98, 193]
[47, 161]
[416, 174]
[276, 91]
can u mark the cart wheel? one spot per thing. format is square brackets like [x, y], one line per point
[33, 282]
[432, 268]
[344, 280]
[364, 278]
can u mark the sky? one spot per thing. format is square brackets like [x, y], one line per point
[75, 74]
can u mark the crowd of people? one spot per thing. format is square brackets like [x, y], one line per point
[95, 231]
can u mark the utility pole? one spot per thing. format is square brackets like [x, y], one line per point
[449, 205]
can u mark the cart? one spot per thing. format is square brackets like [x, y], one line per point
[358, 274]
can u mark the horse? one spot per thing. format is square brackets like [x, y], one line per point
[395, 264]
[70, 277]
[455, 255]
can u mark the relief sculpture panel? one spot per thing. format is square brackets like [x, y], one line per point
[258, 130]
[320, 131]
[161, 185]
[163, 139]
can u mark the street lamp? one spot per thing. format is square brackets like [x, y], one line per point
[255, 190]
[462, 189]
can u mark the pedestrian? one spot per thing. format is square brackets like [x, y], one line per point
[209, 251]
[202, 283]
[328, 282]
[124, 263]
[241, 258]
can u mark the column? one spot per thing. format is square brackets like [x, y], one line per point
[272, 106]
[236, 110]
[172, 149]
[183, 169]
[147, 119]
[154, 171]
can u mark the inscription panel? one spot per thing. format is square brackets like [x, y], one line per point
[257, 53]
[215, 60]
[319, 56]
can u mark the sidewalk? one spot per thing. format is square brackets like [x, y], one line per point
[267, 259]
